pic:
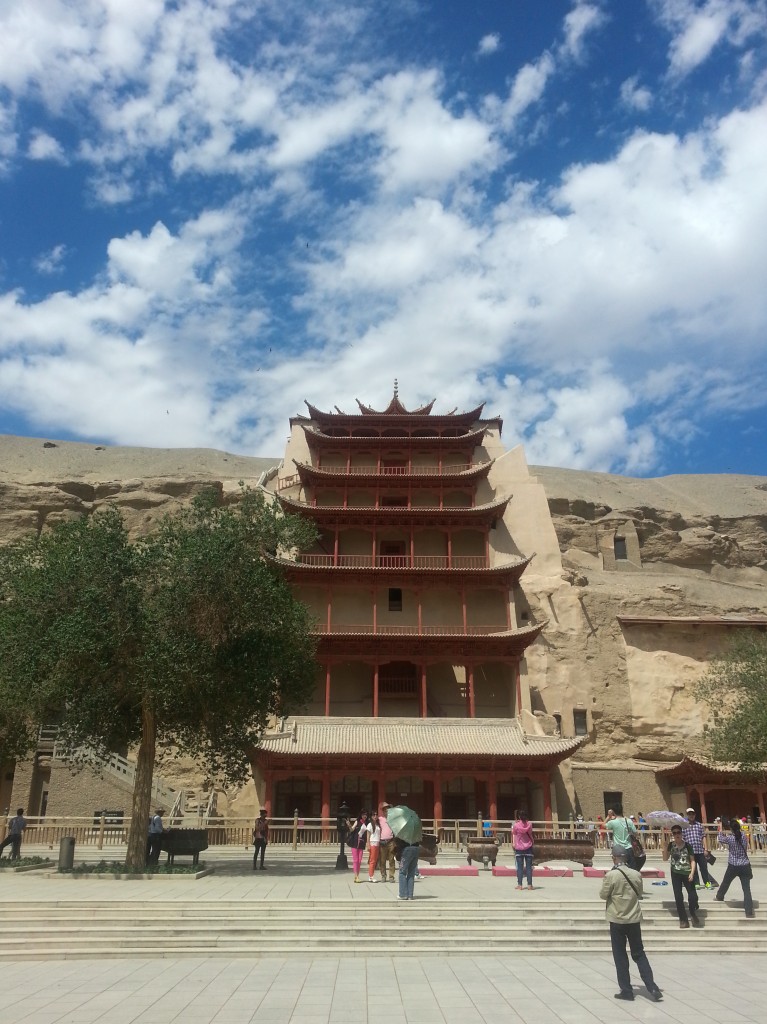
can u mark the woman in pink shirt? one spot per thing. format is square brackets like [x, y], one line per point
[522, 841]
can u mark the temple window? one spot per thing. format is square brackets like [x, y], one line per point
[580, 722]
[395, 599]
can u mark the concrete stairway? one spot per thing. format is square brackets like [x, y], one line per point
[78, 929]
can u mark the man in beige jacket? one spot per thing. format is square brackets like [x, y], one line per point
[622, 890]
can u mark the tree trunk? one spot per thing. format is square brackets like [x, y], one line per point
[142, 791]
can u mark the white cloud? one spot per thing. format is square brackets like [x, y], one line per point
[44, 147]
[528, 87]
[51, 262]
[488, 44]
[423, 143]
[582, 19]
[699, 27]
[635, 96]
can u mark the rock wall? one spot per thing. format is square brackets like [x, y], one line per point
[695, 547]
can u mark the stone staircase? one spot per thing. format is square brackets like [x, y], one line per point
[188, 927]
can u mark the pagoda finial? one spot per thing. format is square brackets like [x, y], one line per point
[396, 388]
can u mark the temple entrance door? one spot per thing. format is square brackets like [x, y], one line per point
[298, 793]
[413, 791]
[459, 798]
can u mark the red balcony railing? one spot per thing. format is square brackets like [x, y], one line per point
[339, 627]
[396, 561]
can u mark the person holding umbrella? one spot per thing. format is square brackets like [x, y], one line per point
[682, 859]
[407, 829]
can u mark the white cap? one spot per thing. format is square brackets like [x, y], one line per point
[690, 810]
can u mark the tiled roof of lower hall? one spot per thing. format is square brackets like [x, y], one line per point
[502, 737]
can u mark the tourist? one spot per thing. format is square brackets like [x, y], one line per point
[619, 830]
[622, 890]
[386, 851]
[16, 828]
[374, 845]
[260, 838]
[154, 839]
[408, 865]
[592, 832]
[357, 840]
[695, 835]
[602, 832]
[682, 860]
[738, 865]
[522, 841]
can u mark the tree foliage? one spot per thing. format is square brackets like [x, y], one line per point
[188, 637]
[735, 689]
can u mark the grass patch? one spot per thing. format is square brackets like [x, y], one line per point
[110, 867]
[6, 864]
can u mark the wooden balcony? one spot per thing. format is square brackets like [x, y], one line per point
[396, 561]
[377, 629]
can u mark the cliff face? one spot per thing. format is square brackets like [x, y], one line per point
[700, 552]
[696, 547]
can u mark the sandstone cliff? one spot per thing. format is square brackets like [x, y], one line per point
[702, 553]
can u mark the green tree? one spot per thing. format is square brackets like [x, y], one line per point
[735, 689]
[189, 636]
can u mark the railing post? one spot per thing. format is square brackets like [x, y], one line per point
[457, 835]
[479, 826]
[295, 829]
[572, 827]
[100, 843]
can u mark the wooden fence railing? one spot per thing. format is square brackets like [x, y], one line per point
[300, 833]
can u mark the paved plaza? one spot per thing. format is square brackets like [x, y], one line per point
[385, 989]
[381, 990]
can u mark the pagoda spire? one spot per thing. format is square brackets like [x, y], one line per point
[395, 407]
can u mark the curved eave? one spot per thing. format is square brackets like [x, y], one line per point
[421, 417]
[299, 572]
[312, 474]
[696, 770]
[317, 440]
[444, 741]
[360, 515]
[506, 644]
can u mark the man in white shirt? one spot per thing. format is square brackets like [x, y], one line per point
[16, 828]
[622, 890]
[154, 840]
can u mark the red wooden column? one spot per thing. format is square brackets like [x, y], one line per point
[463, 607]
[325, 806]
[329, 595]
[450, 549]
[760, 801]
[412, 547]
[381, 790]
[424, 702]
[492, 795]
[505, 596]
[420, 611]
[437, 800]
[335, 547]
[375, 691]
[702, 795]
[374, 545]
[517, 687]
[375, 609]
[547, 798]
[470, 689]
[327, 690]
[487, 547]
[268, 786]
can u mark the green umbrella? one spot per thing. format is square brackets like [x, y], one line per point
[405, 824]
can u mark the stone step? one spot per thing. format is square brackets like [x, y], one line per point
[344, 948]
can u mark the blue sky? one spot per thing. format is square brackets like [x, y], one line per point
[213, 209]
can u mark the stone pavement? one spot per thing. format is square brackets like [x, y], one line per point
[386, 989]
[381, 990]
